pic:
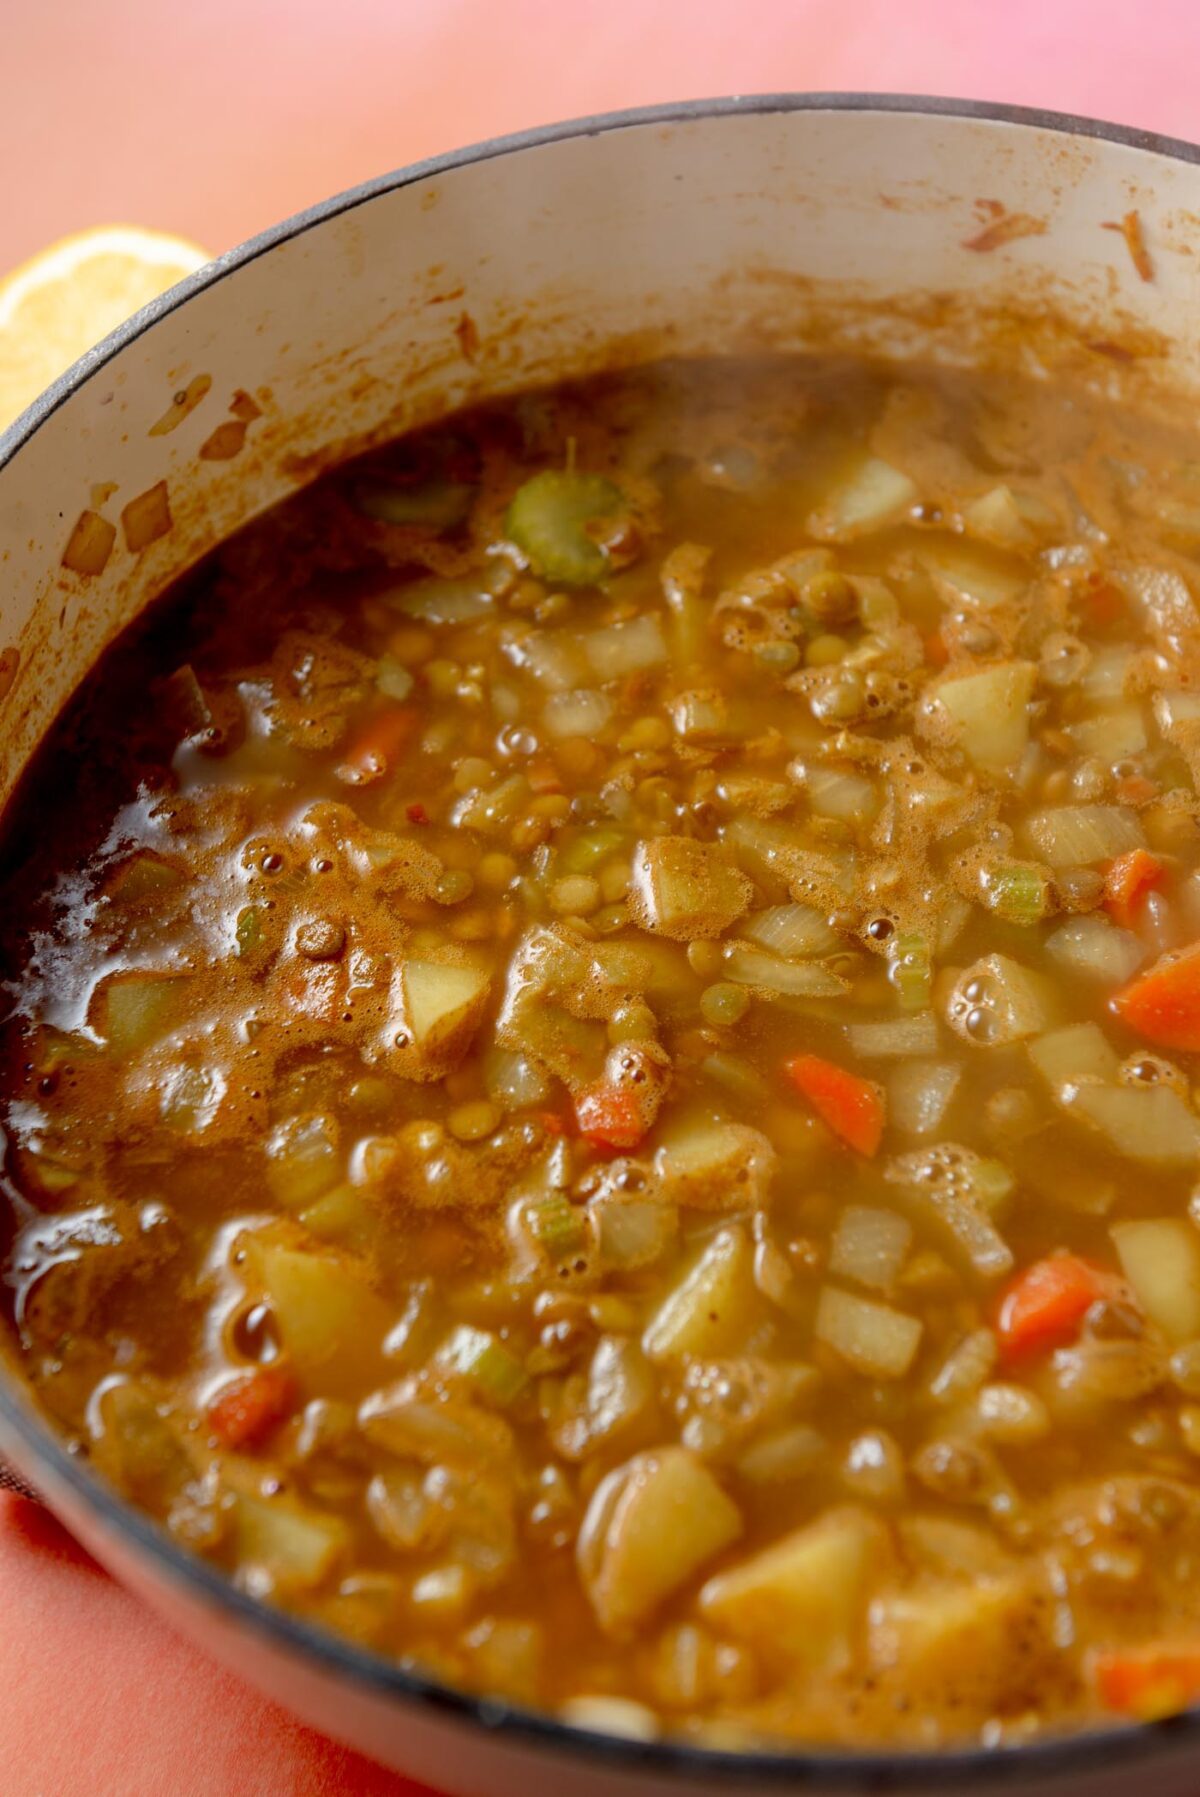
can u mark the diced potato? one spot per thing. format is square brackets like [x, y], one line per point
[872, 494]
[869, 1245]
[1080, 1051]
[651, 1525]
[686, 889]
[995, 517]
[803, 1598]
[297, 1547]
[1151, 1124]
[714, 1165]
[1111, 734]
[303, 1160]
[441, 1007]
[1160, 1257]
[872, 1338]
[934, 1630]
[989, 712]
[330, 1321]
[711, 1310]
[134, 1009]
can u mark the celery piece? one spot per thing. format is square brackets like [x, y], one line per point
[910, 971]
[438, 504]
[483, 1359]
[548, 520]
[556, 1225]
[248, 931]
[1019, 895]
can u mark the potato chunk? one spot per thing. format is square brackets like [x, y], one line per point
[686, 889]
[988, 713]
[650, 1526]
[708, 1313]
[1160, 1257]
[937, 1633]
[714, 1165]
[441, 1006]
[803, 1598]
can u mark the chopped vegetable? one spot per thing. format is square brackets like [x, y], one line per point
[248, 1409]
[1084, 835]
[1127, 883]
[851, 1107]
[1148, 1682]
[910, 971]
[557, 519]
[804, 1597]
[894, 1036]
[377, 748]
[1045, 1305]
[483, 1359]
[611, 1116]
[1095, 949]
[1151, 1124]
[708, 1312]
[1160, 1257]
[874, 1339]
[686, 889]
[870, 1246]
[1018, 894]
[651, 1525]
[1164, 1004]
[988, 713]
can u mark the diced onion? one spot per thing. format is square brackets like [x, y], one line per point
[794, 932]
[869, 1245]
[1081, 835]
[583, 712]
[872, 1338]
[915, 1035]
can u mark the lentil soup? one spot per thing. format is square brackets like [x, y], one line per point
[598, 1082]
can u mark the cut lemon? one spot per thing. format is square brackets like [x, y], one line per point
[56, 306]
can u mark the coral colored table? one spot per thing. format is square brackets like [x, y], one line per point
[213, 121]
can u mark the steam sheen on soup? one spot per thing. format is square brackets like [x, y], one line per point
[599, 1076]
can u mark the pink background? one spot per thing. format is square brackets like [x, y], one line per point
[214, 119]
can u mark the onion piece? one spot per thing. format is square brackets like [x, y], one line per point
[1082, 835]
[1096, 949]
[794, 932]
[869, 1245]
[914, 1035]
[919, 1095]
[748, 966]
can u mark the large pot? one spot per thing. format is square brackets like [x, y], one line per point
[902, 225]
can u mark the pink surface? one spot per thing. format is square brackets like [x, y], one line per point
[214, 120]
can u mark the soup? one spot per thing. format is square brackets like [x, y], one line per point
[598, 1079]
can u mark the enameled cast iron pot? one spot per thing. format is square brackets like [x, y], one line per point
[906, 226]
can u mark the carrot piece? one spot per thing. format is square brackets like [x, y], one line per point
[851, 1107]
[248, 1409]
[936, 652]
[1044, 1305]
[1135, 789]
[1147, 1682]
[610, 1116]
[551, 1122]
[377, 747]
[1103, 602]
[416, 813]
[1163, 1004]
[1129, 878]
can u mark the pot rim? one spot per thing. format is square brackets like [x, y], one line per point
[916, 1773]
